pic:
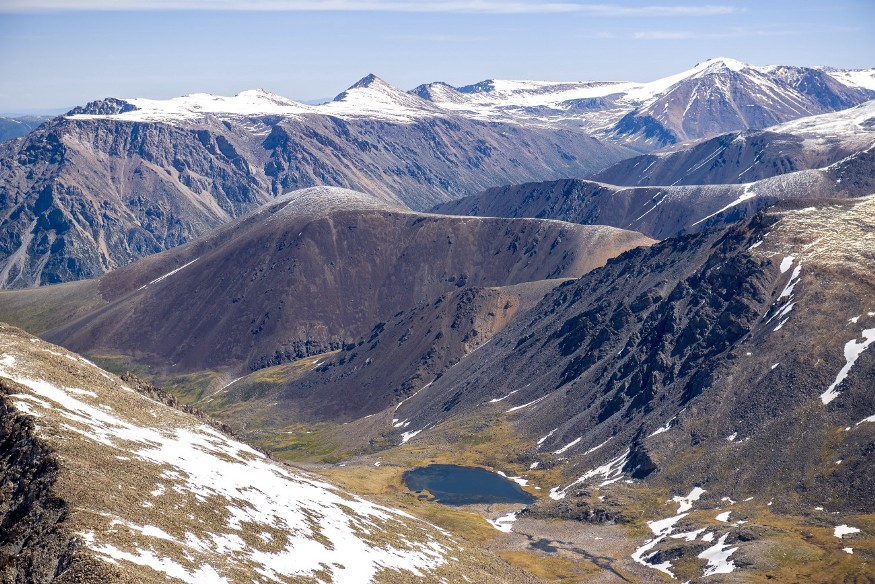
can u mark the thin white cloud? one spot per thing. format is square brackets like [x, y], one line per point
[473, 6]
[683, 35]
[439, 38]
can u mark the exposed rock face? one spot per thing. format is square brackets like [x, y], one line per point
[34, 547]
[83, 195]
[393, 361]
[314, 271]
[95, 476]
[808, 143]
[696, 355]
[666, 211]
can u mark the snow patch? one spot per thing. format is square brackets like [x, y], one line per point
[406, 436]
[531, 403]
[571, 444]
[504, 523]
[686, 503]
[842, 530]
[168, 274]
[718, 557]
[853, 350]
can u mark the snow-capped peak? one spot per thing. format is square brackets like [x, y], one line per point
[655, 88]
[371, 97]
[722, 63]
[195, 105]
[371, 81]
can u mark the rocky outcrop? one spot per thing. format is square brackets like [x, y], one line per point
[34, 547]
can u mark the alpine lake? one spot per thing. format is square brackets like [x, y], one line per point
[452, 484]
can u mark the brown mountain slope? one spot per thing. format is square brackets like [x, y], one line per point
[313, 271]
[393, 361]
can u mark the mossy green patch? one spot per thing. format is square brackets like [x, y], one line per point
[119, 364]
[192, 388]
[37, 310]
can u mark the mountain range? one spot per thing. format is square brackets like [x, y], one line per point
[119, 179]
[646, 307]
[13, 127]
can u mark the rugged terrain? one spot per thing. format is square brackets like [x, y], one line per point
[714, 97]
[113, 181]
[697, 408]
[659, 212]
[311, 272]
[686, 189]
[746, 157]
[101, 484]
[119, 179]
[703, 402]
[732, 362]
[389, 363]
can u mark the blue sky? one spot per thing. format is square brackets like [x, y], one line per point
[60, 53]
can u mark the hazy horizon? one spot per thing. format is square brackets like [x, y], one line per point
[59, 54]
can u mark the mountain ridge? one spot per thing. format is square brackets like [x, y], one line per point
[310, 274]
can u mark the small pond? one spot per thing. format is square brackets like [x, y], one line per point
[451, 484]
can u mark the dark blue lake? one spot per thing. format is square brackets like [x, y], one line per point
[451, 484]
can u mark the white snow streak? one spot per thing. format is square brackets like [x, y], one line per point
[853, 350]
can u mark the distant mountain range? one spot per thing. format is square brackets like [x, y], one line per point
[714, 97]
[13, 127]
[117, 180]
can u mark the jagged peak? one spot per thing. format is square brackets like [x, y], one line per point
[371, 81]
[485, 86]
[106, 106]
